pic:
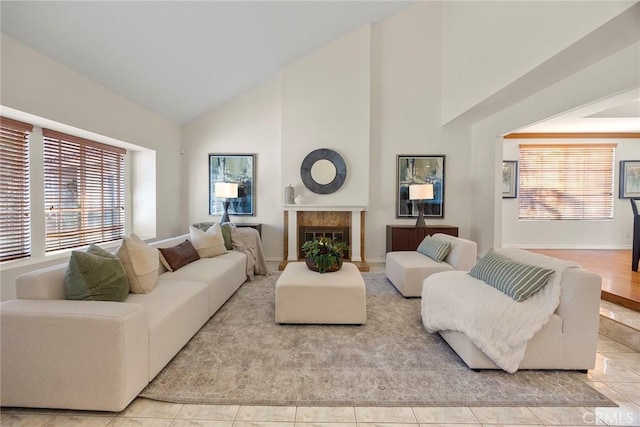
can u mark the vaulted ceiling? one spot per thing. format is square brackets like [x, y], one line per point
[181, 59]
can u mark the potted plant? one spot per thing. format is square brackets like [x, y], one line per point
[323, 254]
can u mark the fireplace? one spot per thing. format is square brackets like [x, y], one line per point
[345, 223]
[339, 234]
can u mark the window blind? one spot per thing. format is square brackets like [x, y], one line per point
[84, 191]
[15, 212]
[566, 182]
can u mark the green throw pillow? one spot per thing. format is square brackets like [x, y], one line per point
[204, 226]
[517, 280]
[95, 275]
[434, 248]
[226, 234]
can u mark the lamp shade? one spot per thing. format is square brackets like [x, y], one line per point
[421, 192]
[226, 190]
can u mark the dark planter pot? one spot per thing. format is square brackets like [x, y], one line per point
[313, 267]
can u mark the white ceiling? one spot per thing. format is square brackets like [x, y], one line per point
[181, 59]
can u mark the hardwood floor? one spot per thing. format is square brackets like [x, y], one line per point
[620, 285]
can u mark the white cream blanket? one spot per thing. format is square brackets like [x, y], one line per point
[497, 325]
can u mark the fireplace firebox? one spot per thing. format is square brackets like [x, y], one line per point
[339, 234]
[343, 223]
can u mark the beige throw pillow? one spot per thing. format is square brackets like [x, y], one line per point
[209, 243]
[141, 262]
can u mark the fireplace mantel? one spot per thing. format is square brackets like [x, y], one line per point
[356, 226]
[328, 208]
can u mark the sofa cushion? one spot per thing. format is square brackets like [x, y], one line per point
[207, 270]
[178, 256]
[435, 249]
[95, 275]
[141, 262]
[176, 310]
[223, 275]
[408, 269]
[208, 243]
[463, 254]
[517, 280]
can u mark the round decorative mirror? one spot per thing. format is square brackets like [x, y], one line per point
[323, 171]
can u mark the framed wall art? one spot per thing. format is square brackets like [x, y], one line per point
[233, 168]
[629, 179]
[420, 169]
[509, 179]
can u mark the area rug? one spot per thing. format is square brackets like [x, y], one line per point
[241, 356]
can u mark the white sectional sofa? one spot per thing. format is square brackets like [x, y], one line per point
[96, 355]
[407, 269]
[556, 328]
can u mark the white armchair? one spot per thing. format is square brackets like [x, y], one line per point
[408, 269]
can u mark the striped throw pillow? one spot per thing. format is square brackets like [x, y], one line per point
[519, 281]
[434, 249]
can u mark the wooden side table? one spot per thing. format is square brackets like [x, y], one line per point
[408, 237]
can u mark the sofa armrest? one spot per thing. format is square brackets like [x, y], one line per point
[463, 254]
[579, 310]
[72, 354]
[44, 283]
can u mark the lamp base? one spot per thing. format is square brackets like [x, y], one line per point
[225, 216]
[420, 222]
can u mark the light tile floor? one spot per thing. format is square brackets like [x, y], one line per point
[616, 375]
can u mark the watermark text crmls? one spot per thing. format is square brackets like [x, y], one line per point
[618, 418]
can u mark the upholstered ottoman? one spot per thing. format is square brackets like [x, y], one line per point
[305, 296]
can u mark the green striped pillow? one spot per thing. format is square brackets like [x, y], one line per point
[517, 280]
[434, 249]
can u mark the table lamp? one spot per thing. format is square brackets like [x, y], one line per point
[420, 192]
[226, 191]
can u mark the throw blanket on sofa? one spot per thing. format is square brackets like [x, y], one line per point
[497, 325]
[248, 242]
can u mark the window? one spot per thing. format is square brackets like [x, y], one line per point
[83, 191]
[15, 213]
[566, 181]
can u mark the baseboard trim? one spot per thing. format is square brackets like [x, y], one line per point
[568, 247]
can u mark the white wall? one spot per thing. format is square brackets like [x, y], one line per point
[325, 104]
[606, 234]
[405, 119]
[592, 84]
[371, 95]
[37, 85]
[321, 101]
[394, 72]
[249, 124]
[32, 83]
[488, 45]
